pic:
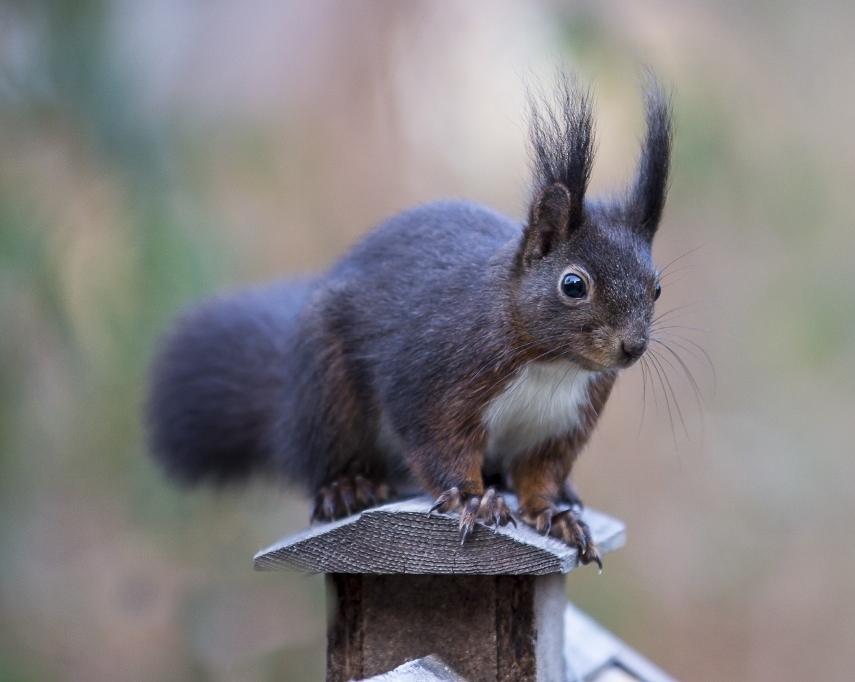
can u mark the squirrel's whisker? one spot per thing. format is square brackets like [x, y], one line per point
[662, 359]
[685, 309]
[560, 349]
[682, 365]
[509, 358]
[704, 357]
[643, 365]
[660, 371]
[681, 326]
[670, 273]
[679, 258]
[563, 377]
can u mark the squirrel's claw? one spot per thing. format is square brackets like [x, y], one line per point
[489, 508]
[346, 496]
[567, 526]
[576, 533]
[494, 510]
[448, 501]
[468, 517]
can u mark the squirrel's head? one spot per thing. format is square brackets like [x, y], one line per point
[586, 280]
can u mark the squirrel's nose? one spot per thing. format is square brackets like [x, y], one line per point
[633, 348]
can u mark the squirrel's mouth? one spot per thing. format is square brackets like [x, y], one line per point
[604, 361]
[613, 350]
[592, 365]
[604, 348]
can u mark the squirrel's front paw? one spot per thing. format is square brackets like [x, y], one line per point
[567, 526]
[346, 496]
[489, 507]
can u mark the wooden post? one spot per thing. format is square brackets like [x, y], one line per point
[490, 628]
[404, 588]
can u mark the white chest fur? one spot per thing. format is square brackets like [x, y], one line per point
[543, 401]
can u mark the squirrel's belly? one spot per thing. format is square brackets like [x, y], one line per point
[544, 401]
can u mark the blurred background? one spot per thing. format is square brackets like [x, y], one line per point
[153, 152]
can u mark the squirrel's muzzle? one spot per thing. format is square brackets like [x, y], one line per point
[632, 348]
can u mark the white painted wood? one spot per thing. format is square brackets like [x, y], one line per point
[427, 669]
[593, 654]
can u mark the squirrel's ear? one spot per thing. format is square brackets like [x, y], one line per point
[647, 197]
[562, 152]
[548, 223]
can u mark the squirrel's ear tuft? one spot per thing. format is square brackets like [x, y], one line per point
[646, 201]
[548, 223]
[562, 152]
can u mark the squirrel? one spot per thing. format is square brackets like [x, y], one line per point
[451, 344]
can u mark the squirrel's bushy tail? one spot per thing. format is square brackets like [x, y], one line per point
[218, 383]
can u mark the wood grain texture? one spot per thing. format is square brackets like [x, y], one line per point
[516, 637]
[399, 538]
[411, 616]
[344, 632]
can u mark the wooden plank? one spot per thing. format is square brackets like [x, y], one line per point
[515, 629]
[549, 601]
[411, 616]
[593, 654]
[400, 538]
[345, 631]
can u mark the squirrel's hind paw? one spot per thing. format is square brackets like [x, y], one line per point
[489, 508]
[346, 496]
[567, 526]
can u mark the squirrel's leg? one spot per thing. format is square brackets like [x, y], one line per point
[570, 495]
[540, 482]
[347, 472]
[453, 473]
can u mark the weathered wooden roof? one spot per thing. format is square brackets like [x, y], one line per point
[400, 538]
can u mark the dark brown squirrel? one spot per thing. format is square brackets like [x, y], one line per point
[451, 343]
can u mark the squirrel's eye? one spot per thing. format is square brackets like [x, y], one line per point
[658, 292]
[573, 286]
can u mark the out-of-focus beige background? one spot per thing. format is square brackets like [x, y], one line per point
[154, 151]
